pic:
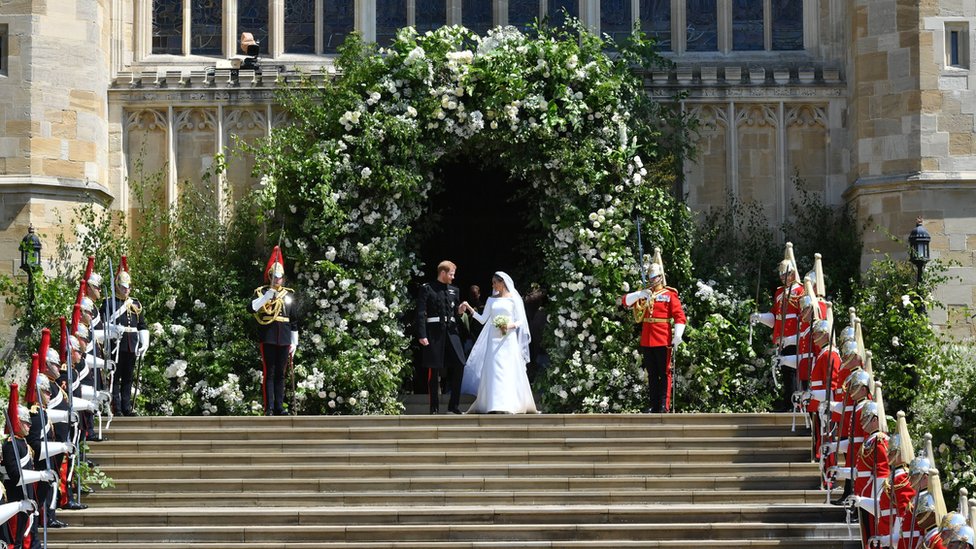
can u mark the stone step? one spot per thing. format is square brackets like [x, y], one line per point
[112, 498]
[460, 456]
[609, 533]
[471, 444]
[120, 424]
[288, 470]
[481, 432]
[622, 544]
[788, 481]
[480, 514]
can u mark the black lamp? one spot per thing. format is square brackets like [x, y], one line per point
[30, 251]
[30, 261]
[918, 241]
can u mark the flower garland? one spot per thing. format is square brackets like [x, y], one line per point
[557, 112]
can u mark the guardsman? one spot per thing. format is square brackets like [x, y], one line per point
[784, 320]
[21, 478]
[274, 307]
[438, 332]
[133, 340]
[48, 443]
[658, 309]
[824, 381]
[956, 532]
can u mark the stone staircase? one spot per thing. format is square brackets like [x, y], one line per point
[488, 481]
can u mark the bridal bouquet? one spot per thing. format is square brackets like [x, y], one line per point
[501, 322]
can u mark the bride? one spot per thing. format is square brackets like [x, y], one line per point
[495, 371]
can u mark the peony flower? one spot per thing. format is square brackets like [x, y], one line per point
[906, 301]
[366, 172]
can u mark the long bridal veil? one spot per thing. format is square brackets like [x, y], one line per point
[476, 360]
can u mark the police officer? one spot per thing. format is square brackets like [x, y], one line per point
[438, 318]
[274, 308]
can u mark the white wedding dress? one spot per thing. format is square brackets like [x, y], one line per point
[495, 371]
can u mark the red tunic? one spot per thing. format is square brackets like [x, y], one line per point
[806, 349]
[790, 315]
[658, 318]
[827, 366]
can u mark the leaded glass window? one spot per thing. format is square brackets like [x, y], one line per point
[338, 22]
[787, 23]
[615, 18]
[299, 26]
[430, 15]
[252, 17]
[206, 27]
[558, 10]
[702, 29]
[476, 15]
[747, 25]
[390, 16]
[655, 20]
[522, 12]
[167, 26]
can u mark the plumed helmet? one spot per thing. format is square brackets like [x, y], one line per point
[276, 265]
[847, 334]
[788, 265]
[869, 412]
[924, 504]
[83, 333]
[654, 270]
[858, 380]
[87, 305]
[961, 538]
[63, 347]
[75, 344]
[123, 279]
[807, 302]
[82, 291]
[850, 356]
[16, 414]
[89, 267]
[94, 281]
[822, 327]
[44, 384]
[818, 275]
[919, 466]
[951, 526]
[52, 365]
[895, 452]
[30, 394]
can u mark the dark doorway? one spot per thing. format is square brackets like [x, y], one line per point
[480, 223]
[479, 219]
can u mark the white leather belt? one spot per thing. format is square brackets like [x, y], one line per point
[816, 384]
[435, 320]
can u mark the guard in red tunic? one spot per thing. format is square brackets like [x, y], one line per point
[784, 320]
[824, 381]
[658, 308]
[274, 309]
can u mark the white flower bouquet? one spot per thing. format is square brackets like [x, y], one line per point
[501, 322]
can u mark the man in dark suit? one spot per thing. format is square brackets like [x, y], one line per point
[438, 319]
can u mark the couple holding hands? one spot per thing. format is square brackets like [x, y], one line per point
[495, 370]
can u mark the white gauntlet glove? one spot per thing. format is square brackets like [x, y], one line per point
[679, 330]
[143, 343]
[259, 302]
[766, 319]
[294, 343]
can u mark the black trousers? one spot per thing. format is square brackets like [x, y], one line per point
[453, 369]
[655, 361]
[122, 382]
[790, 381]
[275, 361]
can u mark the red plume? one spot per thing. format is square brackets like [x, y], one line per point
[45, 345]
[276, 257]
[75, 317]
[124, 265]
[31, 395]
[12, 418]
[64, 340]
[82, 289]
[89, 268]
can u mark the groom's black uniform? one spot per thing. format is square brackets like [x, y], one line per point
[438, 321]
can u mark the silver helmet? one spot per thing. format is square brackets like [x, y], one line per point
[87, 305]
[952, 527]
[924, 504]
[94, 281]
[44, 384]
[869, 413]
[859, 379]
[848, 334]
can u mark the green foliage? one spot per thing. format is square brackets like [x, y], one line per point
[946, 407]
[718, 370]
[896, 327]
[554, 111]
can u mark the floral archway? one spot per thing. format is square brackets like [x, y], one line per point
[350, 178]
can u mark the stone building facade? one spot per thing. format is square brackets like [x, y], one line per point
[869, 102]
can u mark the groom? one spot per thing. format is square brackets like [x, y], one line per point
[438, 318]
